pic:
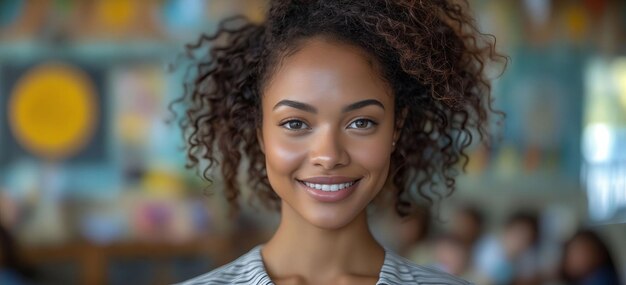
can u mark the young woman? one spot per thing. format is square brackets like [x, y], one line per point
[333, 103]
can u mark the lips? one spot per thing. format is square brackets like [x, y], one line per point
[329, 183]
[330, 188]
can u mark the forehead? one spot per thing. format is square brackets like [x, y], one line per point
[327, 71]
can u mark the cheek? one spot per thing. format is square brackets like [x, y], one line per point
[373, 155]
[282, 157]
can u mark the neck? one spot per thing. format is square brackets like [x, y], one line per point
[304, 251]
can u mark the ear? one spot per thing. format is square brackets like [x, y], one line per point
[399, 124]
[259, 136]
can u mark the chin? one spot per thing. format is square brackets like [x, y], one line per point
[330, 224]
[330, 221]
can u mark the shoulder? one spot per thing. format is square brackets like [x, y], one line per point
[399, 270]
[247, 269]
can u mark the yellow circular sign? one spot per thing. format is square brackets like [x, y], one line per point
[52, 110]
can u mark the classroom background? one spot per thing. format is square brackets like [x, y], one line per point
[94, 189]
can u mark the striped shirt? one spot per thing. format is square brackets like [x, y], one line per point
[249, 269]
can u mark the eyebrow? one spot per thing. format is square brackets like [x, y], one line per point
[308, 108]
[361, 104]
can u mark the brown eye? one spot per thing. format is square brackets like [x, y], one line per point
[295, 125]
[362, 124]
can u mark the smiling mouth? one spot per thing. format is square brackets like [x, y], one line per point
[329, 187]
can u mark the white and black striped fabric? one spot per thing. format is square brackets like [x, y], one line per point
[396, 270]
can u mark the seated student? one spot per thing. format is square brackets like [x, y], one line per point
[12, 270]
[512, 257]
[587, 261]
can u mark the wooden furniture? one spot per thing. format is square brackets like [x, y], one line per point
[93, 261]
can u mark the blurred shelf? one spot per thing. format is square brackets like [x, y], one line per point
[92, 261]
[97, 51]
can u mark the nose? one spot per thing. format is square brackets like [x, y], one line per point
[328, 151]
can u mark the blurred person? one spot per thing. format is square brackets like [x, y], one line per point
[409, 233]
[587, 261]
[396, 232]
[13, 271]
[452, 255]
[512, 257]
[331, 102]
[408, 236]
[468, 225]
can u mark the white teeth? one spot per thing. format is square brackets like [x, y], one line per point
[329, 187]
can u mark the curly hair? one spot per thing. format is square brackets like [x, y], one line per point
[429, 51]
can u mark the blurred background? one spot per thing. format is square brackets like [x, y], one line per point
[93, 188]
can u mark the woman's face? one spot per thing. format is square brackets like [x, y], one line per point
[327, 133]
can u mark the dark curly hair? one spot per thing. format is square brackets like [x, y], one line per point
[429, 51]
